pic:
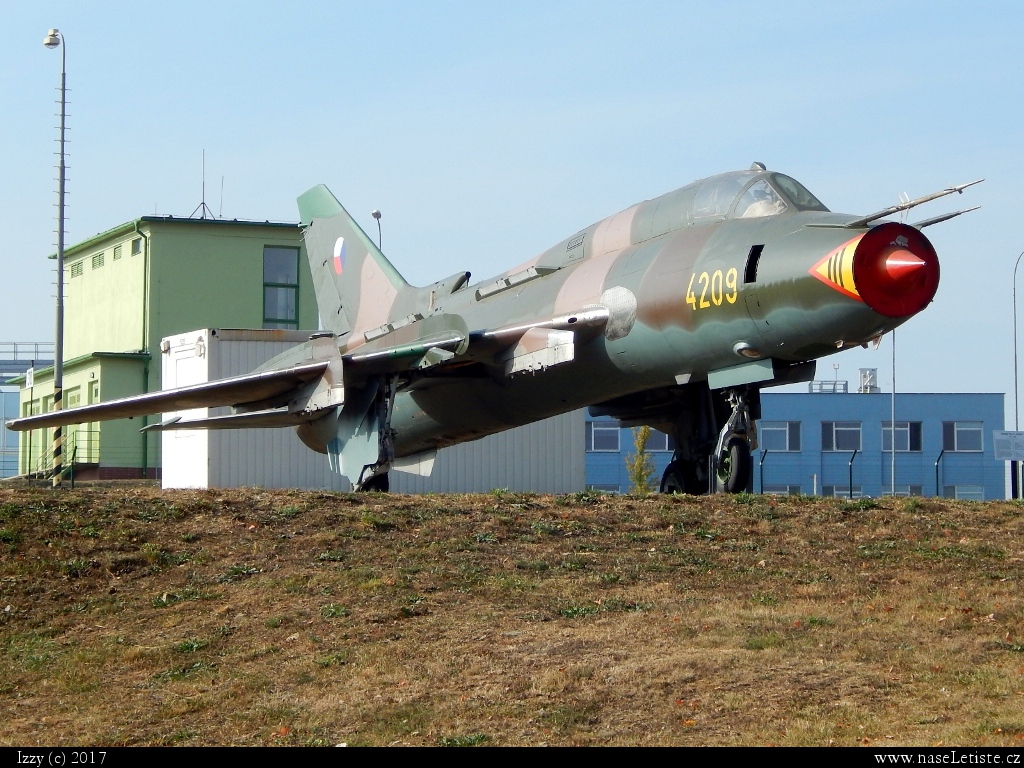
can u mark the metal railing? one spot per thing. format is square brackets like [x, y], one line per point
[80, 447]
[26, 351]
[827, 387]
[84, 444]
[16, 357]
[8, 462]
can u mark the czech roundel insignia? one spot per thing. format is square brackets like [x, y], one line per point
[339, 255]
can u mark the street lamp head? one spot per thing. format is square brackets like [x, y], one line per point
[52, 40]
[375, 214]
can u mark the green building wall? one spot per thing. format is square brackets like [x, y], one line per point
[128, 288]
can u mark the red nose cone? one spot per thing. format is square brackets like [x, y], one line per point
[896, 270]
[901, 265]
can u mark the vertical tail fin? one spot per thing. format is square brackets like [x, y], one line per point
[356, 286]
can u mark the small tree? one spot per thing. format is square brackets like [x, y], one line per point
[639, 464]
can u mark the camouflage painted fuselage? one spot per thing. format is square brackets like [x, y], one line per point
[673, 312]
[691, 286]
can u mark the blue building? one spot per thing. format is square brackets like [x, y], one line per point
[810, 442]
[607, 448]
[15, 359]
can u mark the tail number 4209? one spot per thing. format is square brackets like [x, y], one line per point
[714, 288]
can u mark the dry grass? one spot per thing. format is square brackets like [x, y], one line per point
[254, 617]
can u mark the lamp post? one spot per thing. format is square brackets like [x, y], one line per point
[892, 423]
[376, 215]
[53, 39]
[1014, 465]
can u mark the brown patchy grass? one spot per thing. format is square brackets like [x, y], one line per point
[277, 617]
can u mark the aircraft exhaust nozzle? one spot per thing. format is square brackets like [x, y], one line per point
[895, 270]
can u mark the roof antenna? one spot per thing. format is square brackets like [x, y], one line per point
[220, 214]
[202, 209]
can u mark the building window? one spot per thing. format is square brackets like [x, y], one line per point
[76, 269]
[904, 490]
[840, 436]
[280, 287]
[602, 436]
[136, 246]
[841, 491]
[97, 260]
[908, 436]
[962, 436]
[117, 252]
[659, 441]
[779, 435]
[964, 492]
[781, 490]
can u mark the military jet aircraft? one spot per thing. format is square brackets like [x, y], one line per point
[674, 313]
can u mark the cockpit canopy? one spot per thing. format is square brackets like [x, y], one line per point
[751, 194]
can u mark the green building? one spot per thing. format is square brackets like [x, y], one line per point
[128, 288]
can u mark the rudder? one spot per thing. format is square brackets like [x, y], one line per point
[356, 286]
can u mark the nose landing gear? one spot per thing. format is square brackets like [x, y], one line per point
[735, 441]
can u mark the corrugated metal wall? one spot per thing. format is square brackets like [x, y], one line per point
[546, 457]
[8, 439]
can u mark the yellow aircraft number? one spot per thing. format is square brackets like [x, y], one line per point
[714, 286]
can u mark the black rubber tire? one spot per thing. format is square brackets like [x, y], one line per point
[378, 483]
[672, 479]
[681, 477]
[734, 466]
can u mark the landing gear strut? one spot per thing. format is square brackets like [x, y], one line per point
[709, 459]
[374, 477]
[732, 452]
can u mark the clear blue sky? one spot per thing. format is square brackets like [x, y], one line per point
[486, 131]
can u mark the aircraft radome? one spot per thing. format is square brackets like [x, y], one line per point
[674, 313]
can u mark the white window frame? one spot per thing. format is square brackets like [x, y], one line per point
[963, 427]
[904, 431]
[843, 426]
[964, 492]
[606, 427]
[659, 442]
[781, 489]
[843, 492]
[904, 490]
[788, 427]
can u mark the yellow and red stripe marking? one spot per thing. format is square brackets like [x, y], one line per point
[835, 269]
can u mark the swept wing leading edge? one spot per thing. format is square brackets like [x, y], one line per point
[237, 390]
[251, 389]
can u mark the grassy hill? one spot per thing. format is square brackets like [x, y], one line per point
[138, 616]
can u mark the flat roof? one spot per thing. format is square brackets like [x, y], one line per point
[76, 361]
[133, 226]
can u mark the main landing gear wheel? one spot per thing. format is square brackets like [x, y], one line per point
[681, 477]
[733, 471]
[672, 480]
[379, 483]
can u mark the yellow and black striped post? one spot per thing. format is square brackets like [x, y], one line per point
[58, 396]
[52, 40]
